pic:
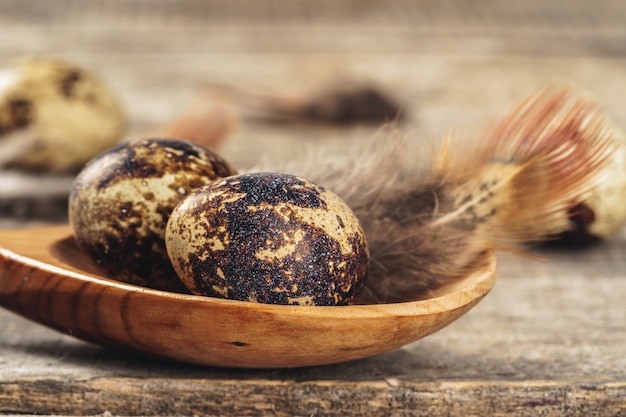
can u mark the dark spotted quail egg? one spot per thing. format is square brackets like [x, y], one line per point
[603, 213]
[55, 116]
[269, 238]
[120, 203]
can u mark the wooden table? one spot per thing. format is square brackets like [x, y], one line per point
[549, 340]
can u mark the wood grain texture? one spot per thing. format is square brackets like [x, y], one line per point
[127, 396]
[45, 277]
[549, 340]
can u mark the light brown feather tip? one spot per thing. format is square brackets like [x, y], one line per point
[207, 121]
[512, 181]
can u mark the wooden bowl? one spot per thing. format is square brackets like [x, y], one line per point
[45, 277]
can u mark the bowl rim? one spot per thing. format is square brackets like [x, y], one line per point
[477, 283]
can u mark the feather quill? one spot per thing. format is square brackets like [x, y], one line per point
[512, 181]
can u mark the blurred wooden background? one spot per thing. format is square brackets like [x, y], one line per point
[549, 340]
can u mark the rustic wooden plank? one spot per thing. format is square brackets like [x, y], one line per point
[549, 339]
[130, 396]
[447, 14]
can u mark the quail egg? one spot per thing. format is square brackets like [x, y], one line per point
[121, 201]
[606, 202]
[55, 116]
[269, 238]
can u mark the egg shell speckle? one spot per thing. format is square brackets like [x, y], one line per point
[269, 238]
[121, 201]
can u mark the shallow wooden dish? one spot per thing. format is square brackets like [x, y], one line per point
[44, 277]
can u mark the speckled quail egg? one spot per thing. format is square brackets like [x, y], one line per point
[55, 116]
[269, 238]
[602, 214]
[121, 201]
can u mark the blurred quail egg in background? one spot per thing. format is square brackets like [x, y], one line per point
[603, 213]
[55, 116]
